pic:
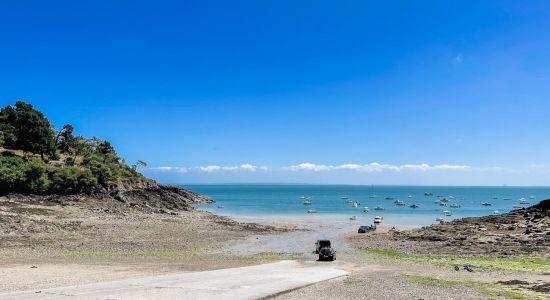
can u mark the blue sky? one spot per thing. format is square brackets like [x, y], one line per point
[363, 92]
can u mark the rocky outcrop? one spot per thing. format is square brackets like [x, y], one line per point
[519, 232]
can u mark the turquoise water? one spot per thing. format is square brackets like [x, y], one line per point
[282, 202]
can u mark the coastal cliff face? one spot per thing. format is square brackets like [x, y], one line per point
[145, 195]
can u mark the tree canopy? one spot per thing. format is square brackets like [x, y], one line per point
[37, 159]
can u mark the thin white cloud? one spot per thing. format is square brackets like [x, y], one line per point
[170, 169]
[374, 167]
[458, 58]
[211, 169]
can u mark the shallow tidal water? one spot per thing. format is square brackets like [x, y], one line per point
[282, 203]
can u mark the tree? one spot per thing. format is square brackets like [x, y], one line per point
[107, 151]
[139, 164]
[7, 120]
[33, 132]
[64, 138]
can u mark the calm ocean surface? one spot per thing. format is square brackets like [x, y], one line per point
[283, 203]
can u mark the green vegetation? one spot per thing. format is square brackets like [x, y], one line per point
[492, 290]
[516, 263]
[37, 159]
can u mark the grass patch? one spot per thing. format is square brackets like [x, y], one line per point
[493, 291]
[133, 253]
[31, 210]
[518, 263]
[266, 256]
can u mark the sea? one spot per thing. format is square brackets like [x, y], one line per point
[285, 203]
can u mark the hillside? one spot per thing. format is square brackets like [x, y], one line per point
[59, 166]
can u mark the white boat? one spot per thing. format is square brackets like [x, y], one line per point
[353, 218]
[366, 209]
[399, 202]
[379, 208]
[307, 202]
[354, 204]
[312, 211]
[409, 196]
[447, 213]
[523, 201]
[451, 197]
[454, 205]
[439, 219]
[531, 197]
[377, 220]
[496, 212]
[349, 201]
[303, 197]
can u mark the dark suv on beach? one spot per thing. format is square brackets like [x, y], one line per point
[325, 251]
[365, 229]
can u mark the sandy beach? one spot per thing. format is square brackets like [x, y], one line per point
[76, 244]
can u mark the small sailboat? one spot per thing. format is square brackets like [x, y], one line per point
[379, 208]
[353, 218]
[414, 206]
[312, 211]
[366, 209]
[377, 220]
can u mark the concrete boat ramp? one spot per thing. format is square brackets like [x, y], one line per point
[237, 283]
